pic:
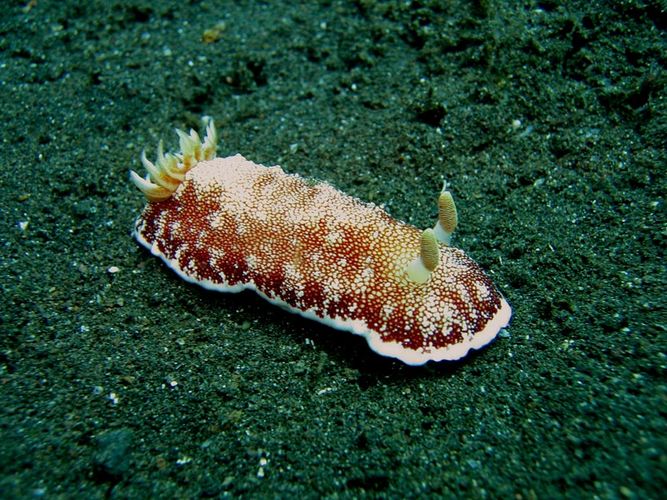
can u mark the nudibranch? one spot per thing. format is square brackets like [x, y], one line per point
[229, 224]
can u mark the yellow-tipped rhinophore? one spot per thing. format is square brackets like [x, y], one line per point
[420, 269]
[447, 216]
[428, 250]
[166, 174]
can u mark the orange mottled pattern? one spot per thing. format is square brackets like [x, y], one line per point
[233, 222]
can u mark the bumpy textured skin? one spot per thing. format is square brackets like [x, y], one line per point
[233, 225]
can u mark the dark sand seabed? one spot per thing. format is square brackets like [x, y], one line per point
[549, 118]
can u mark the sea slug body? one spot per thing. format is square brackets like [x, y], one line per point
[229, 224]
